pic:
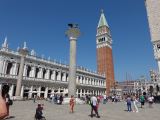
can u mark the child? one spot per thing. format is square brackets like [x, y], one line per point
[71, 103]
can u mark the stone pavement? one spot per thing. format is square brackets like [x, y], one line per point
[25, 110]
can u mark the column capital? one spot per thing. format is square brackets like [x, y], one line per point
[23, 52]
[73, 31]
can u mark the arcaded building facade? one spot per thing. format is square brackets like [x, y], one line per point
[45, 77]
[153, 15]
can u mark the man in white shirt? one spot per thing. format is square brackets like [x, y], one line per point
[94, 103]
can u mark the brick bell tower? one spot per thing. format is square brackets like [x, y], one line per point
[104, 52]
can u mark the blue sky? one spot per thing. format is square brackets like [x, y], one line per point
[42, 24]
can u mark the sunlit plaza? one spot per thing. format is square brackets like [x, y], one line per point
[25, 110]
[102, 51]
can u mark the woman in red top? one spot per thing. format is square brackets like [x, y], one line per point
[71, 103]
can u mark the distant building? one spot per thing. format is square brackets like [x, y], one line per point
[153, 14]
[127, 87]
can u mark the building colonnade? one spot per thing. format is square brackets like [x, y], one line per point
[44, 77]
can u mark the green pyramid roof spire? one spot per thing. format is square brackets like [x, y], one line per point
[102, 20]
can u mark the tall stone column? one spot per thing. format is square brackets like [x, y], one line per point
[30, 92]
[22, 91]
[80, 79]
[39, 91]
[73, 33]
[46, 93]
[25, 70]
[53, 75]
[4, 67]
[33, 71]
[64, 76]
[59, 75]
[15, 68]
[47, 74]
[12, 69]
[1, 64]
[23, 52]
[39, 73]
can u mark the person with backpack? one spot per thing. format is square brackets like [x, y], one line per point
[142, 100]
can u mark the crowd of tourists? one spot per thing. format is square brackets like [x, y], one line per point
[133, 102]
[56, 98]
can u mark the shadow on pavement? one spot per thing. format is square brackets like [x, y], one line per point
[10, 117]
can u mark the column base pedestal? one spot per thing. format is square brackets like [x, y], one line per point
[78, 101]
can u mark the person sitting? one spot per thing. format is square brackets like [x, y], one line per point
[39, 113]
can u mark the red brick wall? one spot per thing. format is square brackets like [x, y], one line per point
[105, 65]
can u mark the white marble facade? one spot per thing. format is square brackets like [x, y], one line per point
[45, 77]
[153, 15]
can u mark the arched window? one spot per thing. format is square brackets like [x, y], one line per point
[50, 74]
[37, 70]
[9, 66]
[44, 72]
[56, 75]
[66, 76]
[28, 71]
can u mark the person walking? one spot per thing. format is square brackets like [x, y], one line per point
[61, 99]
[39, 113]
[104, 99]
[71, 103]
[128, 101]
[94, 106]
[135, 101]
